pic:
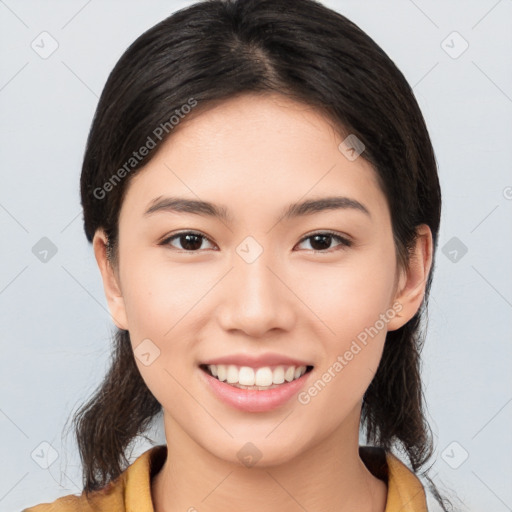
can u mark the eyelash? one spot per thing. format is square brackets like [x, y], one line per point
[343, 242]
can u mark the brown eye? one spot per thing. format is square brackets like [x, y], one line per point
[189, 241]
[321, 241]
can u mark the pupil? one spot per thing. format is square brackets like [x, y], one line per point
[189, 245]
[324, 244]
[318, 242]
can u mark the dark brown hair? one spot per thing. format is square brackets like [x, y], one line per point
[212, 51]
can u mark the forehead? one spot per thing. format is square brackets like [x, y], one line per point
[256, 149]
[251, 119]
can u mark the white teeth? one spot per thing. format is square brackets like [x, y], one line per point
[290, 374]
[246, 376]
[278, 375]
[258, 378]
[221, 372]
[232, 374]
[263, 377]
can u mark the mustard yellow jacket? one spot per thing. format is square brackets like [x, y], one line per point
[131, 491]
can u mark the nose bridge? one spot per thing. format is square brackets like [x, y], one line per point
[256, 300]
[256, 282]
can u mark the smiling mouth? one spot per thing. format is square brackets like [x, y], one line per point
[262, 378]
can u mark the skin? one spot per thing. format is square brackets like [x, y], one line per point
[255, 154]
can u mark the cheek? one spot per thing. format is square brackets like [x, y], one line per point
[355, 309]
[158, 295]
[160, 308]
[353, 302]
[352, 296]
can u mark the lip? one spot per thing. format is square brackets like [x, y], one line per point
[258, 361]
[250, 400]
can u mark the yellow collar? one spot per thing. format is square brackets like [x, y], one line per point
[405, 491]
[131, 491]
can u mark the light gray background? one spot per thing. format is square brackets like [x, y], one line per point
[54, 326]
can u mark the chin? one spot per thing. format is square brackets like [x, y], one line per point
[256, 451]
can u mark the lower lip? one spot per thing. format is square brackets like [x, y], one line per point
[251, 400]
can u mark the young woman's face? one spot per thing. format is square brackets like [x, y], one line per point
[248, 288]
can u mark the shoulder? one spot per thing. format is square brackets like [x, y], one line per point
[70, 503]
[107, 499]
[131, 488]
[405, 486]
[405, 490]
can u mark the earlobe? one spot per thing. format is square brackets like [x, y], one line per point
[111, 284]
[412, 283]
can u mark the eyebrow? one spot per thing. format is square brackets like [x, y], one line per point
[307, 207]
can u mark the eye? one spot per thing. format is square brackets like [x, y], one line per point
[322, 240]
[190, 241]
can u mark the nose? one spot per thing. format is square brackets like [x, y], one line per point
[256, 299]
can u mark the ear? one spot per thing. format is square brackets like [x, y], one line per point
[412, 282]
[110, 278]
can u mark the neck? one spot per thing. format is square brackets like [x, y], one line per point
[329, 476]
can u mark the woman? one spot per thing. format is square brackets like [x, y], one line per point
[262, 197]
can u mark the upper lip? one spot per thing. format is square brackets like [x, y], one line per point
[257, 361]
